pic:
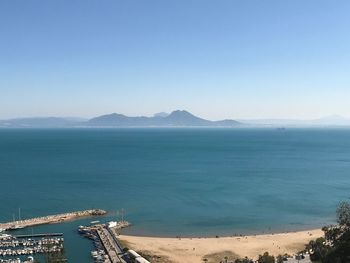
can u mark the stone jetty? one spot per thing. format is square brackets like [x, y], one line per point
[51, 219]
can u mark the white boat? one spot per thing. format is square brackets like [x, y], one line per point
[15, 227]
[5, 236]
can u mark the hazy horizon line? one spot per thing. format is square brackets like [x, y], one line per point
[339, 116]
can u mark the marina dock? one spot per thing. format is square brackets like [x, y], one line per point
[11, 246]
[108, 247]
[51, 219]
[40, 235]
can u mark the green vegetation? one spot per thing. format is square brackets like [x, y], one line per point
[266, 258]
[335, 246]
[244, 260]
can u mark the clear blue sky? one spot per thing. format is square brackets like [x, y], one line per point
[217, 59]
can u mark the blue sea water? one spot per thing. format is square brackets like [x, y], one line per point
[172, 182]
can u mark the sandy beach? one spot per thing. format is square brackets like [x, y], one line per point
[215, 249]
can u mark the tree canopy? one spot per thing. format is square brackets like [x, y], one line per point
[335, 246]
[266, 258]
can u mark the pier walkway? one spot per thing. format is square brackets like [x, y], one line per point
[111, 245]
[51, 219]
[105, 237]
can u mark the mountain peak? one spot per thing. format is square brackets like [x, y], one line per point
[181, 113]
[114, 115]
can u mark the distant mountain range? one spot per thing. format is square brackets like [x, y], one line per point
[177, 118]
[332, 120]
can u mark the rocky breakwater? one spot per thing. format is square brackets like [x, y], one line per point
[51, 219]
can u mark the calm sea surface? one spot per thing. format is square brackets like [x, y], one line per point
[176, 181]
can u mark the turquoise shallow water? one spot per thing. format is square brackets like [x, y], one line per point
[176, 181]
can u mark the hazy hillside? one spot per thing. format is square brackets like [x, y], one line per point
[174, 119]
